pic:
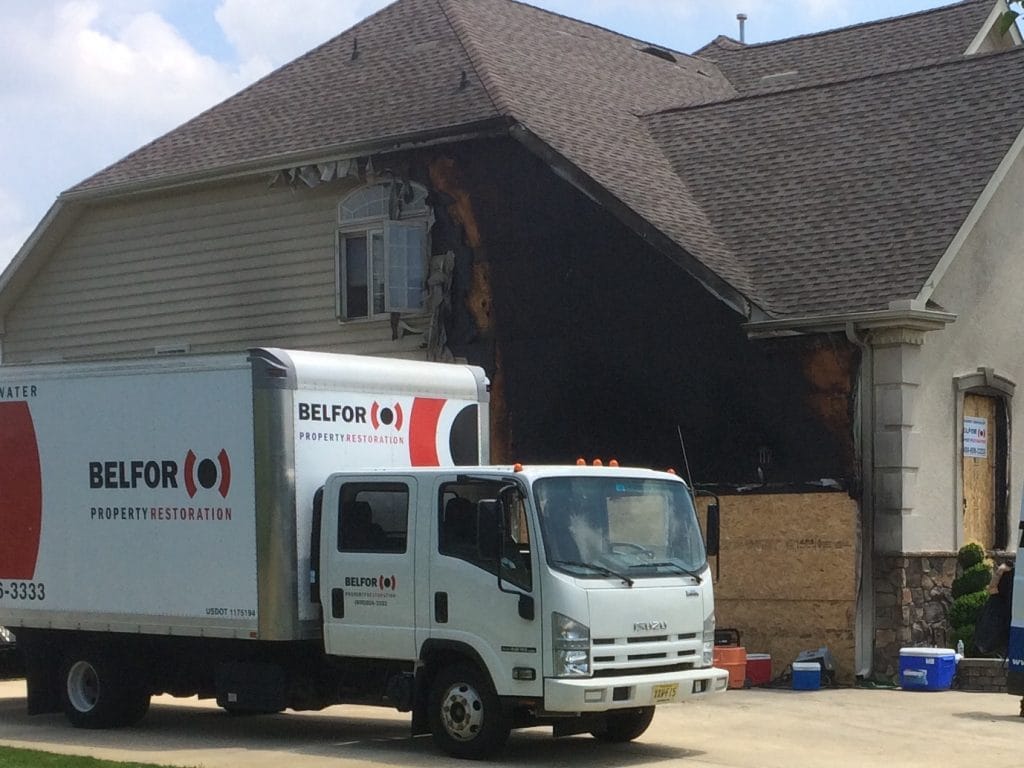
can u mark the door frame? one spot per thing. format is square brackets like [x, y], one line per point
[985, 381]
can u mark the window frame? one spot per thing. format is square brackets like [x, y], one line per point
[518, 553]
[417, 219]
[357, 488]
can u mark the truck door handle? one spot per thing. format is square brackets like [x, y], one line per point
[441, 607]
[338, 603]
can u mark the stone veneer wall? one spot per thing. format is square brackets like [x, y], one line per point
[913, 594]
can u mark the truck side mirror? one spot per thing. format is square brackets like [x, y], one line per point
[714, 529]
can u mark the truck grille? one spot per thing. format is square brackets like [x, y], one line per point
[638, 654]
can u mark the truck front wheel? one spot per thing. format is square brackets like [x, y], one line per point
[466, 716]
[624, 725]
[97, 694]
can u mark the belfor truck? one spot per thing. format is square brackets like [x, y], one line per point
[280, 529]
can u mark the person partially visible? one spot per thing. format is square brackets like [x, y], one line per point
[997, 615]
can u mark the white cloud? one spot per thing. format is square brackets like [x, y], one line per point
[86, 82]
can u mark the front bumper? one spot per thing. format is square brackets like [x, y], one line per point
[599, 694]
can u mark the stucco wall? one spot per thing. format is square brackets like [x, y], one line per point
[984, 286]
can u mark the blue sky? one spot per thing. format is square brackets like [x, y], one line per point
[85, 82]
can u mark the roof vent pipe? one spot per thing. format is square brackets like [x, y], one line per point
[742, 18]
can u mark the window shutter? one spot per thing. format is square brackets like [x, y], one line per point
[405, 249]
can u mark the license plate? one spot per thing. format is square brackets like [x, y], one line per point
[663, 693]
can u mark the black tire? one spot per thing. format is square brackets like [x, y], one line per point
[624, 725]
[98, 693]
[465, 714]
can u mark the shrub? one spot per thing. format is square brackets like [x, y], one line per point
[973, 579]
[970, 593]
[970, 554]
[965, 609]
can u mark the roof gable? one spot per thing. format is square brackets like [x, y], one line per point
[581, 90]
[402, 71]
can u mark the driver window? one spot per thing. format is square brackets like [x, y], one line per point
[468, 529]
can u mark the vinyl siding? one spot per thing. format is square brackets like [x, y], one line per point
[219, 269]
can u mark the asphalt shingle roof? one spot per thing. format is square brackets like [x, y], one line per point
[837, 188]
[580, 88]
[405, 78]
[836, 207]
[901, 42]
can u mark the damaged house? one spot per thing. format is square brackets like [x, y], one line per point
[798, 259]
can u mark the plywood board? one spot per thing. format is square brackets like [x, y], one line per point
[979, 471]
[788, 580]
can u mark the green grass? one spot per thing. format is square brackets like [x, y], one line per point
[30, 758]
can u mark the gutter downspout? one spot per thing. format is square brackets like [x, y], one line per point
[864, 625]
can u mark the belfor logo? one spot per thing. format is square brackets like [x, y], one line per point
[385, 416]
[207, 473]
[195, 473]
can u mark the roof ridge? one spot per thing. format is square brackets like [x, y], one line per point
[736, 45]
[608, 30]
[859, 25]
[935, 64]
[502, 105]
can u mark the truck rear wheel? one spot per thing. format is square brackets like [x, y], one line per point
[466, 716]
[97, 693]
[624, 725]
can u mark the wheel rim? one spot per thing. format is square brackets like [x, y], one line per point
[83, 686]
[462, 712]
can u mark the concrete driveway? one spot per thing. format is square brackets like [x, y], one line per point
[758, 728]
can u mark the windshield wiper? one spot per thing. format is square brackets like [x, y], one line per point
[677, 566]
[595, 567]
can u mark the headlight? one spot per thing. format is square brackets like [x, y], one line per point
[708, 651]
[570, 646]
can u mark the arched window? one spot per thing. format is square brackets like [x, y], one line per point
[382, 250]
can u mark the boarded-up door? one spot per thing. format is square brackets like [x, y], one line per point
[979, 469]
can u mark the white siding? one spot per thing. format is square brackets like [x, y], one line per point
[220, 269]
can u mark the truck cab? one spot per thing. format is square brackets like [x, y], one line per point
[572, 596]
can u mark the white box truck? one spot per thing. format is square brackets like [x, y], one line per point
[282, 529]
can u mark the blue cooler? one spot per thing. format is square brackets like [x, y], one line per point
[806, 675]
[927, 669]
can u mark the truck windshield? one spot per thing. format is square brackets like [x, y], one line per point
[593, 526]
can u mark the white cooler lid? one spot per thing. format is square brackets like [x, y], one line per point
[930, 652]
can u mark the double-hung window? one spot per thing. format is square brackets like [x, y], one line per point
[382, 250]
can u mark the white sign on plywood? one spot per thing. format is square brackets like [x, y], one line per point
[975, 437]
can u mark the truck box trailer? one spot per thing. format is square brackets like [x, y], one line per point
[282, 529]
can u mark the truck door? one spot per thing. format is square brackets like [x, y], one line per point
[468, 604]
[367, 589]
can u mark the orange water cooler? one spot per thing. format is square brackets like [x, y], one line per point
[731, 656]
